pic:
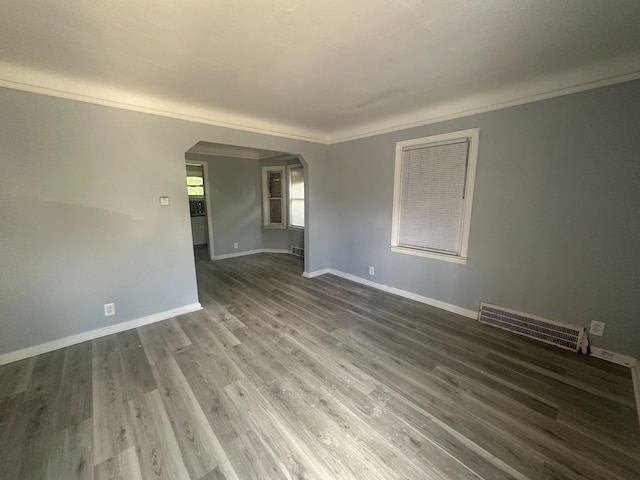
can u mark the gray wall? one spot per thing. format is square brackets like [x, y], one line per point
[296, 238]
[199, 230]
[555, 229]
[236, 202]
[282, 238]
[80, 220]
[235, 186]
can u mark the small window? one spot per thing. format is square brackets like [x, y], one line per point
[296, 197]
[433, 191]
[195, 186]
[273, 189]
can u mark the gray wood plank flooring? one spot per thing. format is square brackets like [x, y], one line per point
[281, 377]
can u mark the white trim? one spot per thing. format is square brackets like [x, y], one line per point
[531, 91]
[635, 375]
[473, 314]
[316, 273]
[613, 357]
[275, 226]
[427, 254]
[284, 190]
[251, 252]
[237, 254]
[17, 77]
[93, 334]
[610, 72]
[473, 136]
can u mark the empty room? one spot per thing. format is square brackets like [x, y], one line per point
[285, 239]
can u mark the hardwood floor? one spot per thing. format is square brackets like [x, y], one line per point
[285, 377]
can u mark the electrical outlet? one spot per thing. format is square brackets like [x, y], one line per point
[372, 271]
[235, 245]
[597, 328]
[109, 309]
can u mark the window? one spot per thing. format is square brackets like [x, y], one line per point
[296, 196]
[433, 191]
[195, 180]
[283, 196]
[195, 186]
[273, 190]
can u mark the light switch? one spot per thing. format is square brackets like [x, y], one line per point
[164, 201]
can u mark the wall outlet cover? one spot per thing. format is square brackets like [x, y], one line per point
[164, 201]
[597, 328]
[109, 309]
[372, 271]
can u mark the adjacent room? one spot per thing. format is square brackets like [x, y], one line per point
[381, 239]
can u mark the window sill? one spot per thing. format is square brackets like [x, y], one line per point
[274, 227]
[282, 227]
[432, 255]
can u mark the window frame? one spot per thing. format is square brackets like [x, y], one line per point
[266, 217]
[289, 198]
[473, 136]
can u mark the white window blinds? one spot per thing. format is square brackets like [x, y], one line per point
[432, 197]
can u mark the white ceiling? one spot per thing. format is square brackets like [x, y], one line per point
[324, 70]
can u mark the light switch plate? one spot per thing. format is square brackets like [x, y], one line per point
[164, 201]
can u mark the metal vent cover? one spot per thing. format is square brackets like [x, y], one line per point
[570, 337]
[297, 251]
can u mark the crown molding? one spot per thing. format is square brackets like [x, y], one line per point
[613, 71]
[47, 83]
[620, 70]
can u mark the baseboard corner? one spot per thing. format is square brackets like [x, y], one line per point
[316, 273]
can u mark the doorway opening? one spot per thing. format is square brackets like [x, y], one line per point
[253, 199]
[199, 208]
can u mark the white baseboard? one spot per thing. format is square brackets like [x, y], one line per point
[316, 273]
[93, 334]
[237, 254]
[613, 357]
[397, 291]
[250, 252]
[601, 353]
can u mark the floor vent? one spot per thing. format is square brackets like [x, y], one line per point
[563, 335]
[297, 251]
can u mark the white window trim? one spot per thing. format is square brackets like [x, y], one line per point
[289, 168]
[473, 135]
[265, 196]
